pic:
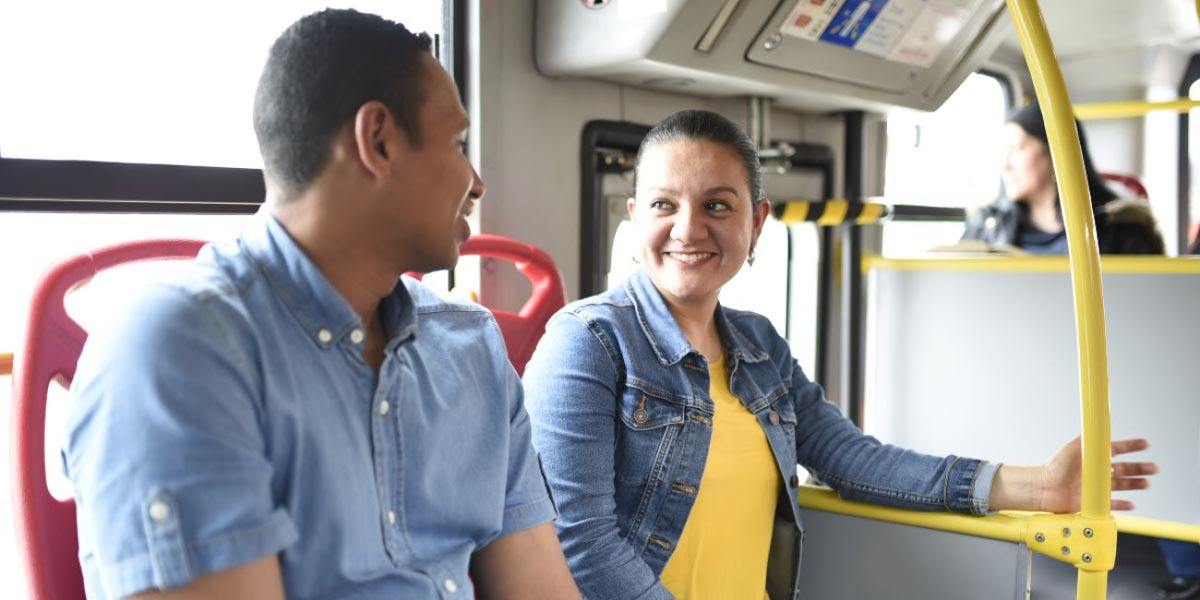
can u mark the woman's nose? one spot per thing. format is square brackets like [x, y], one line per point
[689, 225]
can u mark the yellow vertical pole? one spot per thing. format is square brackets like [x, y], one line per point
[1085, 271]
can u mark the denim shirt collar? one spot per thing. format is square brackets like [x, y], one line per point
[320, 309]
[664, 334]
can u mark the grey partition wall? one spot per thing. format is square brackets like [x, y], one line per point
[978, 357]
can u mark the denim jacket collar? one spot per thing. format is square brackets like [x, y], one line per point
[664, 334]
[309, 296]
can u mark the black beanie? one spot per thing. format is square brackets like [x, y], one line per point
[1029, 118]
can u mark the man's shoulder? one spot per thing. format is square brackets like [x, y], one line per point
[426, 300]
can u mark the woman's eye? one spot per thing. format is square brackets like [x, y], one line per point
[717, 206]
[660, 204]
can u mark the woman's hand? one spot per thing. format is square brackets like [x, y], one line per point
[1062, 476]
[1057, 485]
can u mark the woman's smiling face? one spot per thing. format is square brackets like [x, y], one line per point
[694, 216]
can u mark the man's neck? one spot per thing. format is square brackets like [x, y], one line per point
[351, 268]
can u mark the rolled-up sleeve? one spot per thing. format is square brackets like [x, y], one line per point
[165, 450]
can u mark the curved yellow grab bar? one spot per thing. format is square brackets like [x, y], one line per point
[1085, 276]
[1131, 108]
[6, 362]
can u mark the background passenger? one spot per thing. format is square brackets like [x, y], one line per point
[285, 416]
[1028, 215]
[670, 426]
[1183, 563]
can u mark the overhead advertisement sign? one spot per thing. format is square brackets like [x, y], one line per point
[913, 32]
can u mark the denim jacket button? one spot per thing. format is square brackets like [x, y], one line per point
[640, 416]
[773, 417]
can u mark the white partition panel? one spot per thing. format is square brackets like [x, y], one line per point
[983, 363]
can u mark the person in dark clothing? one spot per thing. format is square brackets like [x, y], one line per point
[1028, 214]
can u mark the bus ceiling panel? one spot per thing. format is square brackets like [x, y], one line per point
[1106, 27]
[807, 54]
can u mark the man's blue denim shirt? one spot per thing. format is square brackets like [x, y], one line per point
[622, 419]
[229, 415]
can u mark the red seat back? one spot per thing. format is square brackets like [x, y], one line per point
[45, 526]
[523, 329]
[1130, 182]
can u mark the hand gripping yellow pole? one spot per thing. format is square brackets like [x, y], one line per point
[1085, 275]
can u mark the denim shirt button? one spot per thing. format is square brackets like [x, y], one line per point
[773, 417]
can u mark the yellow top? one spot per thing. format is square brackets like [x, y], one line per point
[725, 543]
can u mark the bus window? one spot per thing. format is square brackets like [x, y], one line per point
[948, 157]
[129, 82]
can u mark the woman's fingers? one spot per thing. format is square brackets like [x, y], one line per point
[1122, 505]
[1132, 483]
[1133, 469]
[1130, 445]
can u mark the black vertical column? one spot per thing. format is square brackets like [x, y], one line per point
[852, 293]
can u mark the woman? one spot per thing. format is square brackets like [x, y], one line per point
[1028, 215]
[670, 427]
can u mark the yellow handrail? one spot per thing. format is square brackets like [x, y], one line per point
[1109, 264]
[1131, 108]
[1008, 526]
[1085, 278]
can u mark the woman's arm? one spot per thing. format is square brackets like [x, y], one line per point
[571, 396]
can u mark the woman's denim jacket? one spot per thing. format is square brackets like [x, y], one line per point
[622, 420]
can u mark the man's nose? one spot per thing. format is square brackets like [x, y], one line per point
[478, 189]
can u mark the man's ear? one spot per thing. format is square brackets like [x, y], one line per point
[373, 139]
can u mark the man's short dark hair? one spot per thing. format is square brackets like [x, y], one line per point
[318, 74]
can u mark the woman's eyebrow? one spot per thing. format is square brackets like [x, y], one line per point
[722, 188]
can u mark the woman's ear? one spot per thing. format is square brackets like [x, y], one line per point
[631, 207]
[762, 209]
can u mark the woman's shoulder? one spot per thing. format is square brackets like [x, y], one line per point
[756, 332]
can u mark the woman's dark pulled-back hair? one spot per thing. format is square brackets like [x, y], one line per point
[318, 74]
[691, 125]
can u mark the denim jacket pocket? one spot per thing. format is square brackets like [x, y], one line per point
[649, 426]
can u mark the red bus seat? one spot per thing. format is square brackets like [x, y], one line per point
[1131, 184]
[523, 329]
[45, 526]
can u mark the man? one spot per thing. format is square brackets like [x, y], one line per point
[285, 416]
